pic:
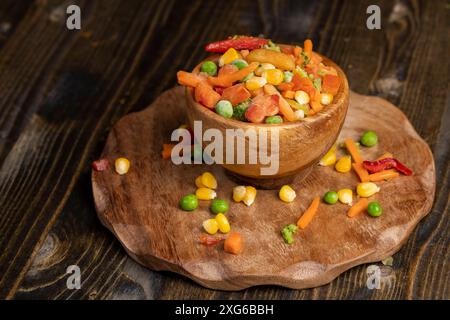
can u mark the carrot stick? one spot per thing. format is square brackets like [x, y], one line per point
[353, 149]
[228, 79]
[383, 175]
[308, 46]
[361, 172]
[297, 51]
[386, 155]
[233, 243]
[309, 214]
[358, 207]
[188, 79]
[285, 107]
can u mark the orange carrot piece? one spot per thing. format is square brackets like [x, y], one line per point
[358, 207]
[284, 86]
[288, 94]
[386, 155]
[361, 172]
[383, 175]
[353, 150]
[285, 107]
[233, 243]
[309, 214]
[167, 150]
[188, 79]
[228, 79]
[315, 102]
[297, 51]
[308, 47]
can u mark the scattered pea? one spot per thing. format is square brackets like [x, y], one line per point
[189, 202]
[288, 233]
[224, 108]
[369, 139]
[331, 197]
[209, 67]
[241, 64]
[274, 119]
[374, 209]
[219, 206]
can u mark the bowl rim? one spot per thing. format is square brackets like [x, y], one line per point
[339, 99]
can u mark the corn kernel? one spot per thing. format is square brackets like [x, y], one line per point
[239, 193]
[205, 194]
[255, 83]
[367, 189]
[222, 221]
[122, 165]
[345, 196]
[301, 97]
[329, 158]
[211, 226]
[273, 76]
[326, 98]
[287, 194]
[264, 67]
[198, 182]
[299, 114]
[229, 56]
[209, 181]
[250, 195]
[344, 164]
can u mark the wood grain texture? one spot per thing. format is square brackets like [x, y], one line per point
[397, 62]
[141, 207]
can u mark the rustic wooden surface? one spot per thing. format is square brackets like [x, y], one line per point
[164, 237]
[60, 92]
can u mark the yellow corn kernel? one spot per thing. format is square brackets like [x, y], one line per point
[273, 76]
[301, 97]
[198, 182]
[367, 189]
[326, 98]
[287, 194]
[239, 193]
[345, 196]
[329, 158]
[229, 56]
[344, 164]
[264, 67]
[122, 165]
[222, 221]
[205, 194]
[250, 195]
[209, 181]
[211, 226]
[255, 83]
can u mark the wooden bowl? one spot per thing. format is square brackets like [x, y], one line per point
[301, 144]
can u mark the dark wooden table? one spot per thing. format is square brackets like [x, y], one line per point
[60, 92]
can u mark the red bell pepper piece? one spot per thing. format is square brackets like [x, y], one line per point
[100, 165]
[387, 163]
[240, 43]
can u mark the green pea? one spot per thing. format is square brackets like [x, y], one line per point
[189, 202]
[288, 76]
[331, 197]
[369, 139]
[241, 64]
[374, 209]
[219, 206]
[224, 108]
[209, 67]
[274, 119]
[239, 110]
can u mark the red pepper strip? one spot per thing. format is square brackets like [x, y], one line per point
[100, 165]
[241, 43]
[208, 240]
[387, 163]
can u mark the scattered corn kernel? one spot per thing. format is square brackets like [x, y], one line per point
[122, 165]
[239, 193]
[301, 97]
[229, 56]
[208, 180]
[299, 114]
[326, 98]
[329, 158]
[211, 226]
[198, 182]
[264, 67]
[344, 164]
[222, 221]
[367, 189]
[273, 76]
[205, 194]
[250, 195]
[345, 196]
[287, 194]
[255, 83]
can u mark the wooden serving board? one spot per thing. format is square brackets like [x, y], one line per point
[141, 207]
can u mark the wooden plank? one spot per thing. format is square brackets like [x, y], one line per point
[397, 62]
